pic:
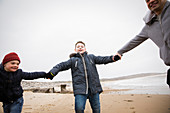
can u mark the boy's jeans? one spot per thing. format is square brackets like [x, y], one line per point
[80, 102]
[14, 107]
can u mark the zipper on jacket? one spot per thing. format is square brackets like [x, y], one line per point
[159, 18]
[85, 70]
[160, 22]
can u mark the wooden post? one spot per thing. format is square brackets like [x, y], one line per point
[63, 88]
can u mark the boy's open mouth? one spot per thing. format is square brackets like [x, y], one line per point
[14, 68]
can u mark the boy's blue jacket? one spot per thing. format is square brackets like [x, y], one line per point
[10, 83]
[84, 71]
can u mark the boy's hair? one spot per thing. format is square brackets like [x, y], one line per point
[80, 42]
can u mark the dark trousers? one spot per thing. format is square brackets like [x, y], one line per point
[168, 77]
[14, 107]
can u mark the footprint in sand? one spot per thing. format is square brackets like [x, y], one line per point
[128, 100]
[51, 105]
[149, 96]
[27, 107]
[132, 107]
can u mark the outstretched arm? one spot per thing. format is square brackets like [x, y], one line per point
[60, 67]
[101, 59]
[33, 75]
[137, 40]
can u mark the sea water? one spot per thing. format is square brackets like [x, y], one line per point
[155, 84]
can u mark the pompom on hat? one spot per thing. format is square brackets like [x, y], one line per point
[9, 57]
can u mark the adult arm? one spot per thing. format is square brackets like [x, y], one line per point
[137, 40]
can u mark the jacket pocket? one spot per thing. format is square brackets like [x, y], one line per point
[76, 63]
[17, 91]
[78, 79]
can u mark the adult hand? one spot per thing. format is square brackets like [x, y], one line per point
[117, 57]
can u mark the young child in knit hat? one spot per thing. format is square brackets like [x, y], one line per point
[11, 92]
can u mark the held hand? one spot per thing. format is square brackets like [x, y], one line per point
[117, 57]
[49, 75]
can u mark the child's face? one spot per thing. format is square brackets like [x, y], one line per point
[11, 66]
[80, 48]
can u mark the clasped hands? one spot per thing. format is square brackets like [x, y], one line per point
[49, 75]
[117, 57]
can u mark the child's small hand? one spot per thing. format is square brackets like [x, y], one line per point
[49, 76]
[117, 57]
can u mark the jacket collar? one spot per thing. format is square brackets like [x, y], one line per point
[151, 15]
[1, 67]
[77, 54]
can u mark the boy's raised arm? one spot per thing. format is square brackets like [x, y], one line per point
[105, 59]
[60, 67]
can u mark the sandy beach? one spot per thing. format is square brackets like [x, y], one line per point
[135, 98]
[110, 103]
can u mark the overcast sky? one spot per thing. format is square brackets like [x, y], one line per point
[43, 33]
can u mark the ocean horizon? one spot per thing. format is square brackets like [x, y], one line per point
[148, 83]
[152, 84]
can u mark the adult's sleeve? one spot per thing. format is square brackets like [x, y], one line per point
[137, 40]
